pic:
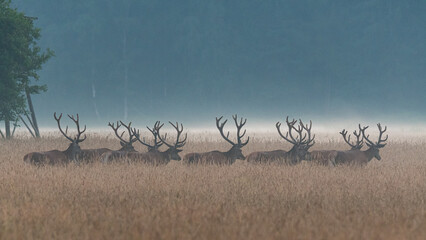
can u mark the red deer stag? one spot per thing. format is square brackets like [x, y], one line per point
[54, 157]
[154, 131]
[90, 155]
[126, 145]
[297, 153]
[155, 157]
[358, 157]
[328, 157]
[217, 157]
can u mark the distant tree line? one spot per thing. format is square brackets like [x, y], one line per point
[20, 59]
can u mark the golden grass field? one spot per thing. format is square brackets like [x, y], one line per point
[384, 200]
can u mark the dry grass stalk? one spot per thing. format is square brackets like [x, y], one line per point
[384, 200]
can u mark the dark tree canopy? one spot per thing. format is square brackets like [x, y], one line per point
[20, 59]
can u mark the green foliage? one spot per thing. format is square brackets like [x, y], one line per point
[20, 59]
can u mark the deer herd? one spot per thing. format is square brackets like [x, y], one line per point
[297, 134]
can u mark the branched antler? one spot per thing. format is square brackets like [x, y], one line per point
[77, 123]
[154, 131]
[359, 140]
[178, 143]
[131, 133]
[239, 126]
[310, 141]
[288, 136]
[380, 142]
[300, 139]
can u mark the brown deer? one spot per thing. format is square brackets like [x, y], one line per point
[328, 157]
[154, 156]
[154, 132]
[217, 157]
[297, 153]
[358, 157]
[126, 145]
[54, 157]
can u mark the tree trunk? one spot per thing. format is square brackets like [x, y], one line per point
[26, 125]
[33, 116]
[7, 128]
[15, 124]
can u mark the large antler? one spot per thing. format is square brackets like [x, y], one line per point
[154, 131]
[380, 141]
[178, 143]
[301, 138]
[120, 136]
[239, 127]
[77, 123]
[290, 125]
[132, 138]
[359, 140]
[310, 141]
[220, 127]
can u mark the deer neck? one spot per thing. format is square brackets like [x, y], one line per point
[165, 156]
[369, 153]
[228, 154]
[292, 153]
[127, 149]
[72, 151]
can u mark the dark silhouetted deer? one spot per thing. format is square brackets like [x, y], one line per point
[358, 157]
[154, 156]
[301, 144]
[126, 145]
[328, 157]
[157, 143]
[217, 157]
[54, 157]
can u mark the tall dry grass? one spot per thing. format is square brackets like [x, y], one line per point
[384, 200]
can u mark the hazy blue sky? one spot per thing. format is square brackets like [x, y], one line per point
[193, 60]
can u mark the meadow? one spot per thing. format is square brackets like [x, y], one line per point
[384, 200]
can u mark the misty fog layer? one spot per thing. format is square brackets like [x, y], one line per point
[193, 60]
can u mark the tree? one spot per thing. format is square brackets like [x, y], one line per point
[20, 59]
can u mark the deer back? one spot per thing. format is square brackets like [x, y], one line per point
[91, 155]
[152, 157]
[213, 157]
[276, 156]
[192, 158]
[112, 156]
[54, 157]
[352, 157]
[323, 157]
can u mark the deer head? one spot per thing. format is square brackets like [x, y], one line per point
[126, 145]
[359, 140]
[380, 142]
[301, 143]
[235, 151]
[74, 149]
[174, 150]
[154, 131]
